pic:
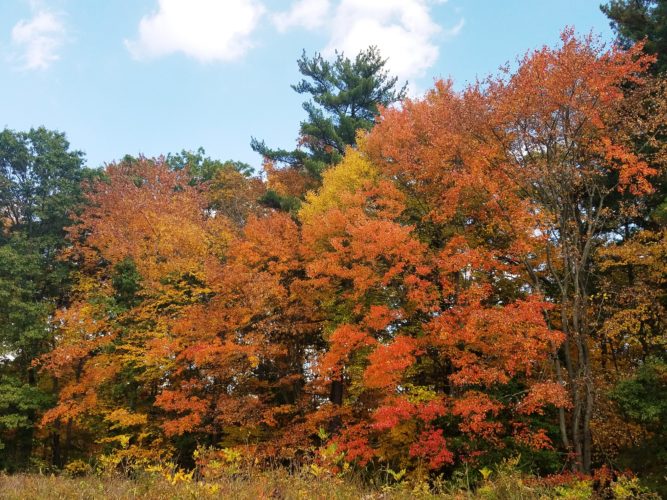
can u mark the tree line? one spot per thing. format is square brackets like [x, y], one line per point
[422, 284]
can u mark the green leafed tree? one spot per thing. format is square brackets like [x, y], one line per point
[202, 168]
[40, 185]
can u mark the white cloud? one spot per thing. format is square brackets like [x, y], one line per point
[309, 14]
[207, 30]
[37, 41]
[403, 30]
[456, 29]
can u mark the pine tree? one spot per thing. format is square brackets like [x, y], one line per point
[346, 95]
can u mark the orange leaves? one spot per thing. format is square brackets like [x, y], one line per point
[580, 73]
[343, 341]
[563, 100]
[268, 243]
[537, 440]
[198, 324]
[543, 394]
[380, 317]
[409, 290]
[424, 264]
[134, 213]
[399, 409]
[188, 410]
[389, 362]
[473, 409]
[492, 345]
[634, 172]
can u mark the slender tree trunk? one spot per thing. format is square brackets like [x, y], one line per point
[68, 441]
[336, 397]
[56, 452]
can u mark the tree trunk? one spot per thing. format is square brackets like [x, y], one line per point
[336, 397]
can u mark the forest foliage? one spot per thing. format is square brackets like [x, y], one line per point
[446, 284]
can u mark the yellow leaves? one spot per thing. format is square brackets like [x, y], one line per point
[160, 222]
[180, 476]
[632, 294]
[647, 249]
[77, 468]
[254, 361]
[121, 440]
[122, 418]
[317, 471]
[485, 472]
[353, 173]
[417, 394]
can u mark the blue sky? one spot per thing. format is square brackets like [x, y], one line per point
[159, 76]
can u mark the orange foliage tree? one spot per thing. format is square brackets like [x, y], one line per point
[142, 248]
[187, 322]
[540, 155]
[430, 315]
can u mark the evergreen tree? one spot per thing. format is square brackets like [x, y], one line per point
[646, 20]
[635, 20]
[345, 96]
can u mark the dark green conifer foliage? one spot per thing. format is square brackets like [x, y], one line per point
[635, 20]
[345, 95]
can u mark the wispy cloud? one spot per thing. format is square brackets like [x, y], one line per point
[207, 30]
[404, 30]
[309, 14]
[456, 29]
[36, 42]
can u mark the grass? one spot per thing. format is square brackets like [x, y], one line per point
[274, 484]
[503, 484]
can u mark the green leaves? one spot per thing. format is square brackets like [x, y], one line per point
[637, 20]
[643, 398]
[40, 188]
[126, 282]
[346, 96]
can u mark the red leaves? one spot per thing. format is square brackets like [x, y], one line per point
[393, 412]
[432, 446]
[353, 442]
[399, 409]
[474, 408]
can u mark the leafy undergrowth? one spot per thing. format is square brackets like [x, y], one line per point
[504, 483]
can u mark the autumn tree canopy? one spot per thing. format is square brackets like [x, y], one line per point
[475, 275]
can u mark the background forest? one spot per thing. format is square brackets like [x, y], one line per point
[462, 283]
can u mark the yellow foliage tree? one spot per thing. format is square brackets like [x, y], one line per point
[348, 176]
